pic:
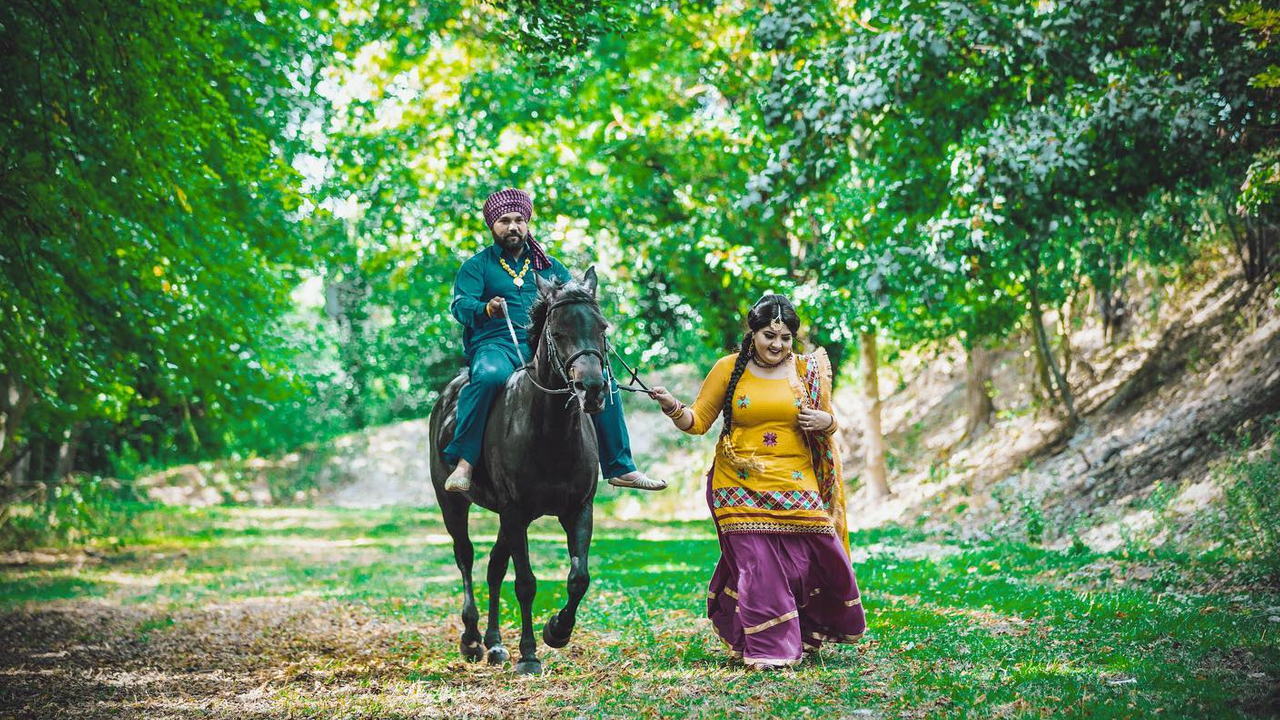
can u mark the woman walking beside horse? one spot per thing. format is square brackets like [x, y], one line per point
[784, 583]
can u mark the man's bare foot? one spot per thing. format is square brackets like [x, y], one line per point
[638, 480]
[459, 480]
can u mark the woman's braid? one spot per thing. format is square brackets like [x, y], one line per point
[739, 366]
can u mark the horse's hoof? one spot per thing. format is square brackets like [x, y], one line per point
[497, 655]
[529, 667]
[471, 651]
[550, 637]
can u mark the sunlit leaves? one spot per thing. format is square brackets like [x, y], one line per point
[960, 148]
[151, 226]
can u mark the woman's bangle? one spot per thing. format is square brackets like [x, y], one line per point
[677, 411]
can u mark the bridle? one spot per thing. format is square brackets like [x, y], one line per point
[553, 357]
[562, 367]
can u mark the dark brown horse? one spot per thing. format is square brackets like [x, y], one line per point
[539, 458]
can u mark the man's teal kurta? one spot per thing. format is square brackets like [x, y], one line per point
[480, 280]
[492, 357]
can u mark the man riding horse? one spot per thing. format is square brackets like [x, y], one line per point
[495, 284]
[553, 424]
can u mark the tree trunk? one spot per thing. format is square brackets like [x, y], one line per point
[1064, 325]
[1254, 247]
[1109, 289]
[1113, 309]
[873, 434]
[1061, 390]
[20, 471]
[67, 452]
[977, 390]
[190, 426]
[1043, 388]
[355, 355]
[346, 304]
[14, 401]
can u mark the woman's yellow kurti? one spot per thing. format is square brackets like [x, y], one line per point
[766, 480]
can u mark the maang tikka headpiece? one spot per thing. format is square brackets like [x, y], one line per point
[776, 323]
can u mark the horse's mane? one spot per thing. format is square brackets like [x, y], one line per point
[570, 290]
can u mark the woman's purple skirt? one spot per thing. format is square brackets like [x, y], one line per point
[775, 596]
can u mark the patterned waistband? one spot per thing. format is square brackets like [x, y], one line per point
[766, 499]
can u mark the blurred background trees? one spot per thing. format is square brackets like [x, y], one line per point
[232, 228]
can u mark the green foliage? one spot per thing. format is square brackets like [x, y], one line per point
[1261, 189]
[965, 166]
[232, 228]
[148, 202]
[1248, 520]
[552, 33]
[1032, 517]
[1263, 26]
[81, 510]
[633, 154]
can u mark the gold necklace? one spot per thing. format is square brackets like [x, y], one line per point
[517, 279]
[769, 366]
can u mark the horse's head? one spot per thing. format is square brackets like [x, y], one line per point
[566, 319]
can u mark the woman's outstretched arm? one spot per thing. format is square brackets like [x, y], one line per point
[697, 419]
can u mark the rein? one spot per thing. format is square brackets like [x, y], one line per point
[562, 367]
[528, 366]
[635, 376]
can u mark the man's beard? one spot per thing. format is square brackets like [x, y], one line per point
[513, 241]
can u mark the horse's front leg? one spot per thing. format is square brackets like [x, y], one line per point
[577, 529]
[455, 521]
[498, 559]
[516, 530]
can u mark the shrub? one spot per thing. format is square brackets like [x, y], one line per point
[81, 509]
[1248, 525]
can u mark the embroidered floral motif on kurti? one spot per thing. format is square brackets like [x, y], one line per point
[765, 434]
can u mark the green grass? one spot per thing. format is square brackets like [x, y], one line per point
[333, 613]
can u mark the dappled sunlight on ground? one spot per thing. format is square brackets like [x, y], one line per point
[333, 612]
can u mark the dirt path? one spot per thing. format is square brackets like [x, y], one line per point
[241, 659]
[330, 612]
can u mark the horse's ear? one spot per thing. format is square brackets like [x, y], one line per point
[544, 286]
[589, 279]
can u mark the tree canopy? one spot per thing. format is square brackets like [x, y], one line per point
[233, 227]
